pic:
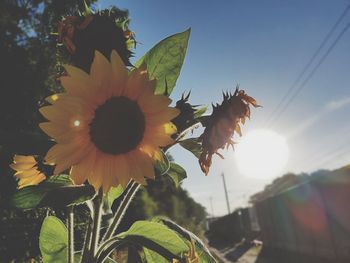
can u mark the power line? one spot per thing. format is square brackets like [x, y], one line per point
[307, 163]
[310, 75]
[304, 70]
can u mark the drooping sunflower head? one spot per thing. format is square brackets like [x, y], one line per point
[109, 125]
[104, 31]
[27, 170]
[224, 121]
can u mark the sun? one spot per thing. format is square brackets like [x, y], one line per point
[262, 154]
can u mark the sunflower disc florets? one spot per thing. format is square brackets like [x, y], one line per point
[103, 31]
[222, 123]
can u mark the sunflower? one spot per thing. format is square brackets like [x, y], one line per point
[109, 125]
[104, 31]
[27, 171]
[222, 124]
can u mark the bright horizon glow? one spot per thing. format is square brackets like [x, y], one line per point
[262, 154]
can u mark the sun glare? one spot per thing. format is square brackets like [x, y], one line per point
[261, 154]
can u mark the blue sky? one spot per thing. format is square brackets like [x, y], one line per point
[263, 46]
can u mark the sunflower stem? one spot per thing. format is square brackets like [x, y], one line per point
[87, 241]
[121, 210]
[70, 223]
[96, 222]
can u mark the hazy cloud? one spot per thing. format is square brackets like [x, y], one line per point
[337, 104]
[328, 108]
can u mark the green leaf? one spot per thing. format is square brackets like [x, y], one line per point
[53, 240]
[193, 145]
[203, 252]
[113, 194]
[153, 257]
[57, 191]
[176, 173]
[164, 61]
[199, 112]
[157, 237]
[163, 166]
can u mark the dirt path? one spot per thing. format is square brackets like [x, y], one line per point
[240, 253]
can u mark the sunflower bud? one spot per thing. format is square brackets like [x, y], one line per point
[221, 125]
[186, 117]
[104, 31]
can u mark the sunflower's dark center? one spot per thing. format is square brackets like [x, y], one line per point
[118, 126]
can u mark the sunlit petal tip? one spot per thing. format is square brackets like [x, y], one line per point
[43, 110]
[170, 128]
[98, 55]
[75, 72]
[53, 98]
[24, 158]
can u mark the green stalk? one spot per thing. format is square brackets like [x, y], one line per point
[121, 210]
[70, 223]
[87, 242]
[96, 222]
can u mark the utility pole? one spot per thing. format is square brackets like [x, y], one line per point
[211, 205]
[226, 195]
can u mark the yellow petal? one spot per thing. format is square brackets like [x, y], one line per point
[135, 170]
[34, 180]
[101, 72]
[109, 173]
[162, 117]
[67, 155]
[153, 152]
[169, 128]
[122, 170]
[96, 175]
[77, 87]
[53, 114]
[81, 171]
[73, 137]
[51, 129]
[119, 74]
[27, 173]
[137, 80]
[53, 98]
[146, 165]
[158, 136]
[159, 140]
[22, 166]
[155, 103]
[24, 159]
[76, 73]
[73, 104]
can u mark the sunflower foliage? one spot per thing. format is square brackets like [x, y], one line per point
[112, 125]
